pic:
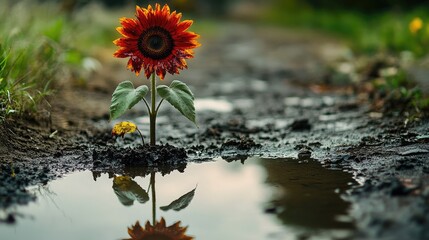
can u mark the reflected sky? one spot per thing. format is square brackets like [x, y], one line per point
[230, 202]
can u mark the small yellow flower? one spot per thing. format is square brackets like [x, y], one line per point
[415, 25]
[121, 128]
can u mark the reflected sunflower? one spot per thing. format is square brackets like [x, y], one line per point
[158, 232]
[156, 40]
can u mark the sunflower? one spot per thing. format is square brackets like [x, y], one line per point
[158, 232]
[156, 40]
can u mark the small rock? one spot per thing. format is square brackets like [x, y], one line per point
[58, 154]
[271, 210]
[422, 137]
[94, 155]
[413, 151]
[344, 157]
[348, 107]
[304, 153]
[315, 144]
[10, 219]
[370, 141]
[301, 125]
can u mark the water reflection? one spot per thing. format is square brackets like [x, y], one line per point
[260, 199]
[308, 195]
[128, 190]
[158, 231]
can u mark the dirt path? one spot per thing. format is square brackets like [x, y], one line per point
[257, 94]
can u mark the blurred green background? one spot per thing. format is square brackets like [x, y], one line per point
[369, 26]
[46, 42]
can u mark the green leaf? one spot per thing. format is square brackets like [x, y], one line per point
[73, 57]
[125, 97]
[180, 96]
[3, 61]
[55, 30]
[3, 83]
[180, 203]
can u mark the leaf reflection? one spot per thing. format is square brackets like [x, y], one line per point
[128, 191]
[181, 202]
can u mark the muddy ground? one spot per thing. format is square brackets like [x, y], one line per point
[265, 92]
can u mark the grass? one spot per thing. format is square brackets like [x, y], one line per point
[30, 57]
[40, 47]
[386, 32]
[401, 93]
[367, 33]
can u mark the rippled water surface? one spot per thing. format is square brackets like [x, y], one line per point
[260, 199]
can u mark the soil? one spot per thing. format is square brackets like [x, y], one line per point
[260, 91]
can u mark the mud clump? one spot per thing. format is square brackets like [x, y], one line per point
[241, 144]
[391, 186]
[12, 190]
[301, 125]
[163, 157]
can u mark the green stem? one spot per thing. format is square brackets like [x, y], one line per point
[141, 135]
[152, 113]
[152, 183]
[159, 105]
[147, 105]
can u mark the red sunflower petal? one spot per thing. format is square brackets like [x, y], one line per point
[122, 53]
[136, 231]
[183, 26]
[175, 17]
[158, 16]
[128, 32]
[149, 8]
[135, 64]
[160, 72]
[148, 72]
[142, 17]
[128, 23]
[127, 43]
[162, 223]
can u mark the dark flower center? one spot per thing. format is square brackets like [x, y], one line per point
[156, 43]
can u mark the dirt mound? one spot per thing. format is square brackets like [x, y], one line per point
[162, 158]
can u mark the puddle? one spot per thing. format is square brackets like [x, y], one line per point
[260, 199]
[215, 105]
[309, 102]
